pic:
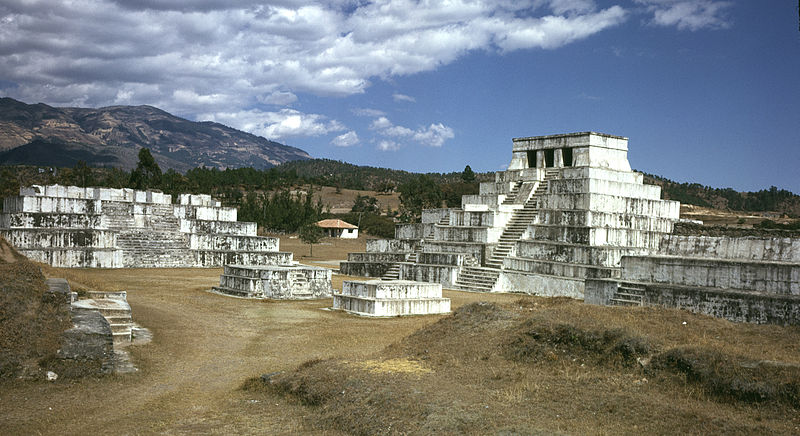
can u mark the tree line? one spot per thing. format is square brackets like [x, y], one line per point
[764, 200]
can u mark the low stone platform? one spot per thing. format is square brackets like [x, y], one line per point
[116, 310]
[391, 298]
[285, 282]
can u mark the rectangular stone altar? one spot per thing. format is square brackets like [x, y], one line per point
[284, 282]
[391, 298]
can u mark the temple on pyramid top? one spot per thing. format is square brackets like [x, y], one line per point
[585, 149]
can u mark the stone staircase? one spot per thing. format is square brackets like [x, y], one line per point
[118, 215]
[628, 294]
[114, 308]
[393, 273]
[512, 196]
[483, 279]
[477, 278]
[154, 248]
[519, 223]
[514, 229]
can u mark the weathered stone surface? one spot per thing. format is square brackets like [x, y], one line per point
[68, 226]
[391, 298]
[89, 344]
[285, 282]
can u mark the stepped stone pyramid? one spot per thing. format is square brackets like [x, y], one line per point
[391, 298]
[69, 226]
[567, 209]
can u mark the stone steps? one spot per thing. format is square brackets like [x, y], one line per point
[231, 291]
[512, 196]
[477, 279]
[628, 295]
[393, 273]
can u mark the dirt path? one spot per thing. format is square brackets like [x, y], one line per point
[204, 347]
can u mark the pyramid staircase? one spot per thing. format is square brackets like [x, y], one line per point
[160, 244]
[393, 273]
[512, 196]
[477, 278]
[483, 279]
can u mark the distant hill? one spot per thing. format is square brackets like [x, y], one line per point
[776, 200]
[345, 175]
[38, 134]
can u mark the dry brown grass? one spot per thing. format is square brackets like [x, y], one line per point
[578, 375]
[421, 375]
[329, 249]
[342, 202]
[205, 346]
[30, 325]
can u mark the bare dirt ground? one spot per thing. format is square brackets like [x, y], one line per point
[204, 348]
[413, 374]
[342, 201]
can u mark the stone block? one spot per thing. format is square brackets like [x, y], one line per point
[392, 245]
[744, 248]
[391, 298]
[539, 284]
[755, 276]
[445, 275]
[276, 282]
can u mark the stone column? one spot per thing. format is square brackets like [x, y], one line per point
[558, 159]
[540, 163]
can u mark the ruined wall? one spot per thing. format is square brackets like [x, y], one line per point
[68, 226]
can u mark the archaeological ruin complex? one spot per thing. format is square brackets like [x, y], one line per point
[570, 218]
[567, 218]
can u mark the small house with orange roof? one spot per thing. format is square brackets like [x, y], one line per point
[337, 228]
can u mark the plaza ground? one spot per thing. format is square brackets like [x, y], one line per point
[200, 374]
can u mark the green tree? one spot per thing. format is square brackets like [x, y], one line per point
[9, 184]
[366, 203]
[467, 176]
[147, 174]
[311, 234]
[419, 193]
[82, 174]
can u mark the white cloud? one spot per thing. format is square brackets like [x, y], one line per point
[380, 123]
[386, 145]
[278, 98]
[433, 136]
[403, 97]
[277, 125]
[367, 112]
[689, 14]
[346, 140]
[214, 56]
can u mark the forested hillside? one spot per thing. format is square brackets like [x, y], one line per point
[231, 185]
[781, 201]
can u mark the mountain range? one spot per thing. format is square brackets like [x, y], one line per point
[38, 134]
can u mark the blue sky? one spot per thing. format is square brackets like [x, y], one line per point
[706, 90]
